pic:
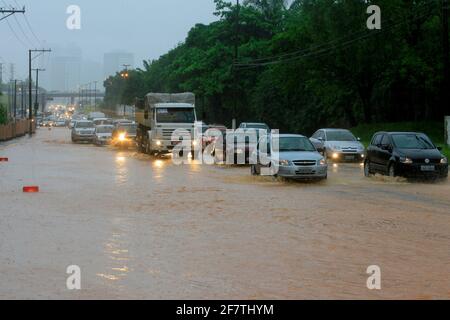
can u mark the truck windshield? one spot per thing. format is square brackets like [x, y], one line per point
[175, 115]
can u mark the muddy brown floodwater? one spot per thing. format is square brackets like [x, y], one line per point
[143, 228]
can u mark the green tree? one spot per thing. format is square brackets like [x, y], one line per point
[313, 63]
[3, 114]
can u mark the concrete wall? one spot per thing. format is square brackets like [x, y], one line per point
[13, 130]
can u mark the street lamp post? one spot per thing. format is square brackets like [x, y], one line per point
[30, 84]
[125, 75]
[36, 100]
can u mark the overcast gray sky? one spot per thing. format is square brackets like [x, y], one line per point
[147, 28]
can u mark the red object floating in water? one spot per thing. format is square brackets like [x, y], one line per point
[4, 159]
[31, 189]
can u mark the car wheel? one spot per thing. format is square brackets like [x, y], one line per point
[367, 171]
[391, 170]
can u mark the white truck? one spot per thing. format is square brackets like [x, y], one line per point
[96, 115]
[159, 115]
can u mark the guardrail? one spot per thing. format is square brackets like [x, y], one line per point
[15, 129]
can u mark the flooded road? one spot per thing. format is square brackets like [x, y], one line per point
[143, 228]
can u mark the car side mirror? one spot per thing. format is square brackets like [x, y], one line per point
[386, 147]
[439, 148]
[359, 139]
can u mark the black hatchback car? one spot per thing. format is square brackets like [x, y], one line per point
[408, 154]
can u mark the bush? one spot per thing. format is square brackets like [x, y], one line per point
[3, 114]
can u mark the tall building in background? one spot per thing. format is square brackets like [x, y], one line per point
[65, 68]
[113, 62]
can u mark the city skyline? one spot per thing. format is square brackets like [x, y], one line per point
[101, 31]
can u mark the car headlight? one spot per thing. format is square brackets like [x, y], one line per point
[284, 163]
[122, 137]
[444, 160]
[158, 143]
[406, 160]
[322, 162]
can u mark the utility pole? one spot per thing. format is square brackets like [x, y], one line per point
[22, 100]
[236, 58]
[446, 63]
[30, 84]
[15, 100]
[10, 12]
[95, 95]
[125, 75]
[90, 93]
[36, 101]
[1, 77]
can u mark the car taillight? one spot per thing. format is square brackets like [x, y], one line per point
[31, 189]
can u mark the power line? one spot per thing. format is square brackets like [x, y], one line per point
[29, 26]
[23, 32]
[327, 47]
[15, 34]
[10, 12]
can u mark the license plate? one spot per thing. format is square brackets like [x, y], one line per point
[428, 168]
[304, 171]
[349, 157]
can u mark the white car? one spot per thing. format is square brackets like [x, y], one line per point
[103, 134]
[84, 130]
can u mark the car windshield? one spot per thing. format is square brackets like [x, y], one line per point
[412, 141]
[130, 129]
[85, 125]
[342, 135]
[175, 115]
[104, 129]
[288, 144]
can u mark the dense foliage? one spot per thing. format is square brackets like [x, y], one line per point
[3, 116]
[312, 63]
[3, 111]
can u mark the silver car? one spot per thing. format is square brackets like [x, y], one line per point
[339, 145]
[84, 130]
[103, 134]
[296, 158]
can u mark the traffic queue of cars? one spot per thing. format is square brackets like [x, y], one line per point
[407, 154]
[297, 157]
[103, 131]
